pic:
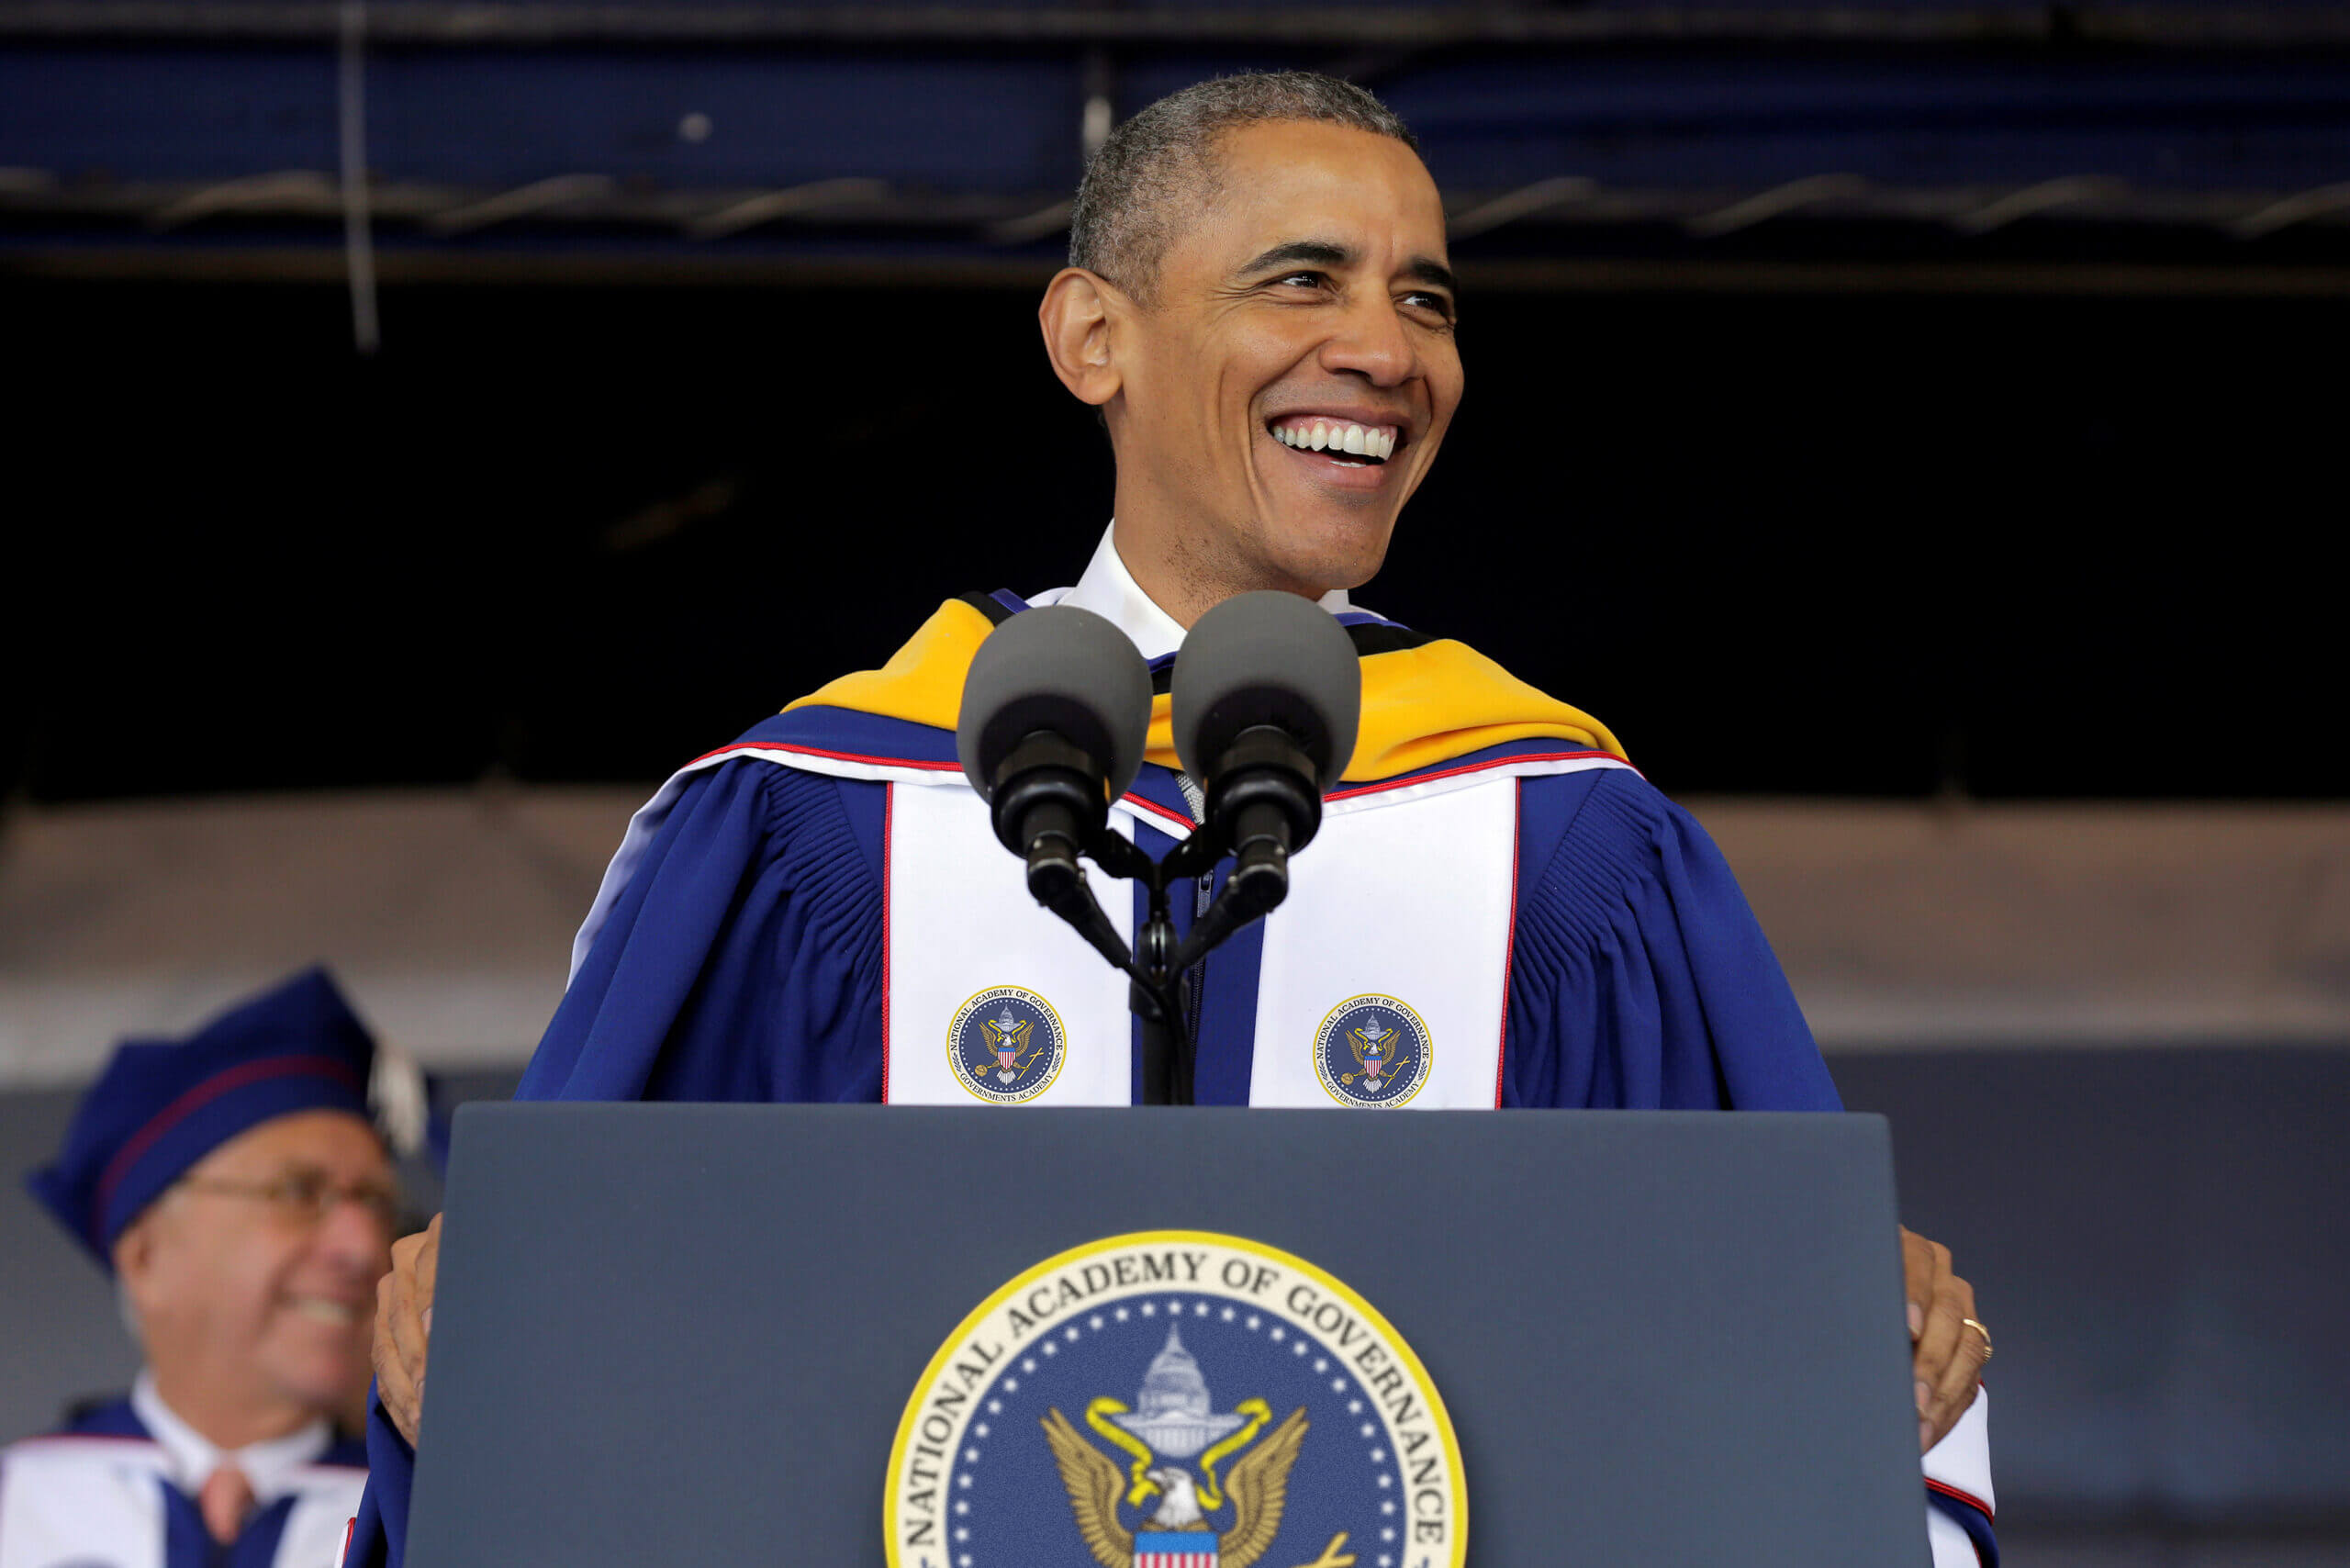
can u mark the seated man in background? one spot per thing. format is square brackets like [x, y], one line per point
[1260, 303]
[237, 1189]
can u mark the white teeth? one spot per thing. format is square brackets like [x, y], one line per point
[323, 1311]
[1354, 440]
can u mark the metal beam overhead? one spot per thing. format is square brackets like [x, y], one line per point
[478, 23]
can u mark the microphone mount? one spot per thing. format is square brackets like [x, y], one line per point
[1048, 803]
[1262, 806]
[1056, 710]
[1261, 799]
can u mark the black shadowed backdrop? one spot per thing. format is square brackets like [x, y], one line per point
[1868, 544]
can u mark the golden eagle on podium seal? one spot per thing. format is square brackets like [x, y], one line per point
[1175, 1399]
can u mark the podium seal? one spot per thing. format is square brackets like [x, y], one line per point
[1175, 1399]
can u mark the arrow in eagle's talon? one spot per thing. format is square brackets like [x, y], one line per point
[1331, 1556]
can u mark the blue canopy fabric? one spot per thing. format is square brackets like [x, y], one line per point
[954, 132]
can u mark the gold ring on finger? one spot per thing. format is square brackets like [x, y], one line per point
[1969, 1323]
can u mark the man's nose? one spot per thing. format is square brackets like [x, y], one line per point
[352, 1233]
[1372, 343]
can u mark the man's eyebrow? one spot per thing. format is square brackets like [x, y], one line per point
[1315, 253]
[1434, 274]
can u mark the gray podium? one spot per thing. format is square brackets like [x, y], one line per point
[682, 1334]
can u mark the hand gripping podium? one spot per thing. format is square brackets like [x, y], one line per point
[1167, 1339]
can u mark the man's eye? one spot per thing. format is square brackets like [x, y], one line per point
[301, 1190]
[1303, 280]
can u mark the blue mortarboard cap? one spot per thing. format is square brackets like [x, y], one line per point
[162, 1105]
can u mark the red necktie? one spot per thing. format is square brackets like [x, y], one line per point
[227, 1497]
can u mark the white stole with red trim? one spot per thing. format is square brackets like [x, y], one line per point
[1395, 900]
[80, 1501]
[1401, 900]
[992, 999]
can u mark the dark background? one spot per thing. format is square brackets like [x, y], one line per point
[1876, 543]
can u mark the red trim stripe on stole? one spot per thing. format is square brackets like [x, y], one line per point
[1153, 806]
[348, 1532]
[1509, 950]
[195, 1099]
[888, 839]
[1372, 789]
[819, 751]
[1969, 1498]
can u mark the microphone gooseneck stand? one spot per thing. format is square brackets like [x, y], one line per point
[1056, 710]
[1260, 801]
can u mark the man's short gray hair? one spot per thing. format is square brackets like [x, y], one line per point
[1154, 169]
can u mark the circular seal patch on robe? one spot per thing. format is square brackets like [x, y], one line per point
[1007, 1045]
[1373, 1050]
[1175, 1399]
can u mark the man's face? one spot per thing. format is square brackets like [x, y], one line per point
[1312, 296]
[240, 1285]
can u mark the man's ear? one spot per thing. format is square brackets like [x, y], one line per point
[1078, 316]
[134, 1257]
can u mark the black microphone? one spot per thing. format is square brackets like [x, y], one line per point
[1268, 695]
[1055, 711]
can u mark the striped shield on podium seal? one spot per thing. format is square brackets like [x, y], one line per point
[1175, 1549]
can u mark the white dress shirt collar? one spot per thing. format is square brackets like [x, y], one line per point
[1109, 590]
[270, 1466]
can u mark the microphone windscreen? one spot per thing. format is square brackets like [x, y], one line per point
[1268, 658]
[1058, 669]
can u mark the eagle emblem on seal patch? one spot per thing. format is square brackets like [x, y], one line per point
[1373, 1050]
[1006, 1045]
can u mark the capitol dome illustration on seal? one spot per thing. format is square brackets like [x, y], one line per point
[1170, 1414]
[1175, 1399]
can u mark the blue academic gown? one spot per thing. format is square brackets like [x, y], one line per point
[743, 961]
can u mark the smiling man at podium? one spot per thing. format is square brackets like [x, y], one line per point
[1500, 911]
